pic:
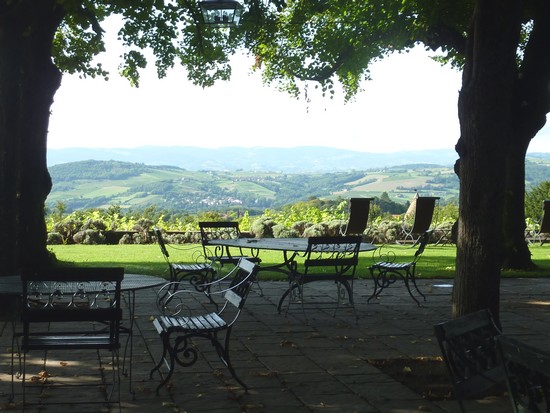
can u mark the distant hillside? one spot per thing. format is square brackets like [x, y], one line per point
[289, 160]
[91, 184]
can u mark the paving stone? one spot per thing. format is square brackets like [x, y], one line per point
[291, 363]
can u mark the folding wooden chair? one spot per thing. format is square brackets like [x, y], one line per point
[422, 222]
[542, 235]
[358, 216]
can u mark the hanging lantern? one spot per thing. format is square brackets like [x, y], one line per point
[221, 13]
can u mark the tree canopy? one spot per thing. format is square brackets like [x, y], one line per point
[501, 46]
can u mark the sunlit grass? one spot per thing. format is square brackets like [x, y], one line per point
[436, 262]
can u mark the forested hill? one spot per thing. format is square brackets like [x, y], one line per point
[91, 184]
[306, 159]
[96, 170]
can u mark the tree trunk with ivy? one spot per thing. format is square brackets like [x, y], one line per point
[28, 82]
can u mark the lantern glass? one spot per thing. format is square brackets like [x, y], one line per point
[221, 13]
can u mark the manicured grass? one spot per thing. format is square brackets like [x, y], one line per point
[436, 262]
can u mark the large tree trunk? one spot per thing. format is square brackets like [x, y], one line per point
[532, 103]
[485, 112]
[28, 82]
[516, 250]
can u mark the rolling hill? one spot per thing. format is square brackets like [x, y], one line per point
[99, 184]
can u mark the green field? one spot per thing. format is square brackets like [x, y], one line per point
[437, 261]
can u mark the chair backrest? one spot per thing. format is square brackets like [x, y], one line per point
[423, 215]
[218, 230]
[527, 375]
[545, 222]
[59, 296]
[339, 253]
[469, 350]
[161, 243]
[243, 278]
[358, 216]
[214, 231]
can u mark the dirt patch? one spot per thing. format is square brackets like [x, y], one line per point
[426, 376]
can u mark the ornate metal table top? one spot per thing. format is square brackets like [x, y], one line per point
[276, 244]
[12, 284]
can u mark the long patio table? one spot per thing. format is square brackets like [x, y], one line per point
[290, 247]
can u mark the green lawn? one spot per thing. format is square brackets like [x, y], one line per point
[437, 261]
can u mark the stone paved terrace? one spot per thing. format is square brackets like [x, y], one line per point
[297, 367]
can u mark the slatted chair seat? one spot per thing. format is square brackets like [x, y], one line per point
[199, 268]
[393, 265]
[60, 342]
[385, 273]
[183, 318]
[210, 321]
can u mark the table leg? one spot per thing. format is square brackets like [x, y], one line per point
[129, 342]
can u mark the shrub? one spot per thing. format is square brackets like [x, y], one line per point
[89, 237]
[317, 230]
[279, 231]
[94, 224]
[54, 238]
[300, 226]
[336, 227]
[126, 239]
[67, 228]
[262, 227]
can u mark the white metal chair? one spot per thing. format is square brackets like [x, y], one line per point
[185, 317]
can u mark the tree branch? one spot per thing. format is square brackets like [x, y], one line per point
[445, 37]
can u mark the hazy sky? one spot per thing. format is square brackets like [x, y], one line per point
[410, 104]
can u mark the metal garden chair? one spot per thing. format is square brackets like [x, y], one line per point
[527, 372]
[197, 273]
[469, 350]
[332, 259]
[386, 272]
[69, 309]
[223, 230]
[186, 316]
